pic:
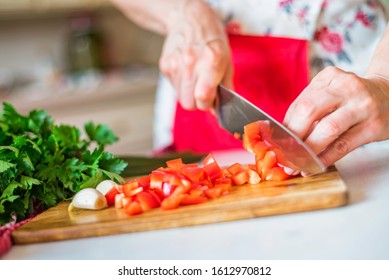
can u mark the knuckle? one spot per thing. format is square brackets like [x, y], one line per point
[187, 103]
[304, 107]
[354, 83]
[330, 127]
[333, 70]
[341, 147]
[188, 85]
[203, 105]
[324, 158]
[375, 130]
[338, 149]
[353, 79]
[204, 93]
[165, 65]
[330, 71]
[215, 54]
[369, 104]
[379, 124]
[189, 57]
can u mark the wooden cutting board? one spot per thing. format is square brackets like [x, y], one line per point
[249, 201]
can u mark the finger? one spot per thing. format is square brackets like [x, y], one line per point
[308, 108]
[323, 80]
[316, 84]
[164, 66]
[210, 71]
[204, 94]
[188, 81]
[228, 79]
[331, 127]
[169, 65]
[173, 69]
[347, 142]
[321, 97]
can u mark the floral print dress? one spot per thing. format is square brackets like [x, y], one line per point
[342, 33]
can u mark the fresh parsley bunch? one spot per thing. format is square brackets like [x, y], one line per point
[42, 163]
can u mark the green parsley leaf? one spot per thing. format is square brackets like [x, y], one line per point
[42, 163]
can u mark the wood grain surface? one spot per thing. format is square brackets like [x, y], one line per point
[249, 201]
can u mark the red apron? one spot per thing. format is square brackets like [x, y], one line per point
[268, 71]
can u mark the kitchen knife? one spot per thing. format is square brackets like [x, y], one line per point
[234, 112]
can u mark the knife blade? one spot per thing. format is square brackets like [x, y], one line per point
[234, 112]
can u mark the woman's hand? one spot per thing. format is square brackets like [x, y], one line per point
[340, 111]
[196, 55]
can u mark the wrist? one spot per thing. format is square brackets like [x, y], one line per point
[175, 15]
[384, 77]
[193, 12]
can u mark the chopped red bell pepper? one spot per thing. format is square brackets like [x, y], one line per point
[185, 184]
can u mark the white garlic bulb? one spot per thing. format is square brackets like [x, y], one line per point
[105, 186]
[88, 198]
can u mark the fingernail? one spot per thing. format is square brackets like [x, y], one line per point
[305, 174]
[290, 171]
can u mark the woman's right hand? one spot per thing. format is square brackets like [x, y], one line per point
[196, 55]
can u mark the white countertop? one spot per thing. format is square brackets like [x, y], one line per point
[359, 230]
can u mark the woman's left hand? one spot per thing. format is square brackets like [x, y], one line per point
[339, 112]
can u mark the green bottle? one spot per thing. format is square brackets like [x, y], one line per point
[85, 47]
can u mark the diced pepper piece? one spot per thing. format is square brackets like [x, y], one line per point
[194, 197]
[212, 168]
[277, 174]
[147, 201]
[126, 201]
[214, 192]
[240, 178]
[260, 149]
[268, 162]
[195, 174]
[253, 177]
[235, 168]
[118, 200]
[225, 184]
[133, 208]
[175, 164]
[172, 202]
[110, 195]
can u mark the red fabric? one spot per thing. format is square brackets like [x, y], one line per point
[268, 71]
[5, 234]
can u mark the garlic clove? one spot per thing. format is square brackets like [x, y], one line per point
[105, 186]
[88, 198]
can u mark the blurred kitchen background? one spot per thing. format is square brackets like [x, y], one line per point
[81, 60]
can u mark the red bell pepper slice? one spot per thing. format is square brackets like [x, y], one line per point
[110, 195]
[212, 168]
[240, 178]
[277, 174]
[235, 168]
[185, 184]
[172, 202]
[175, 164]
[225, 184]
[133, 208]
[194, 197]
[213, 193]
[147, 201]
